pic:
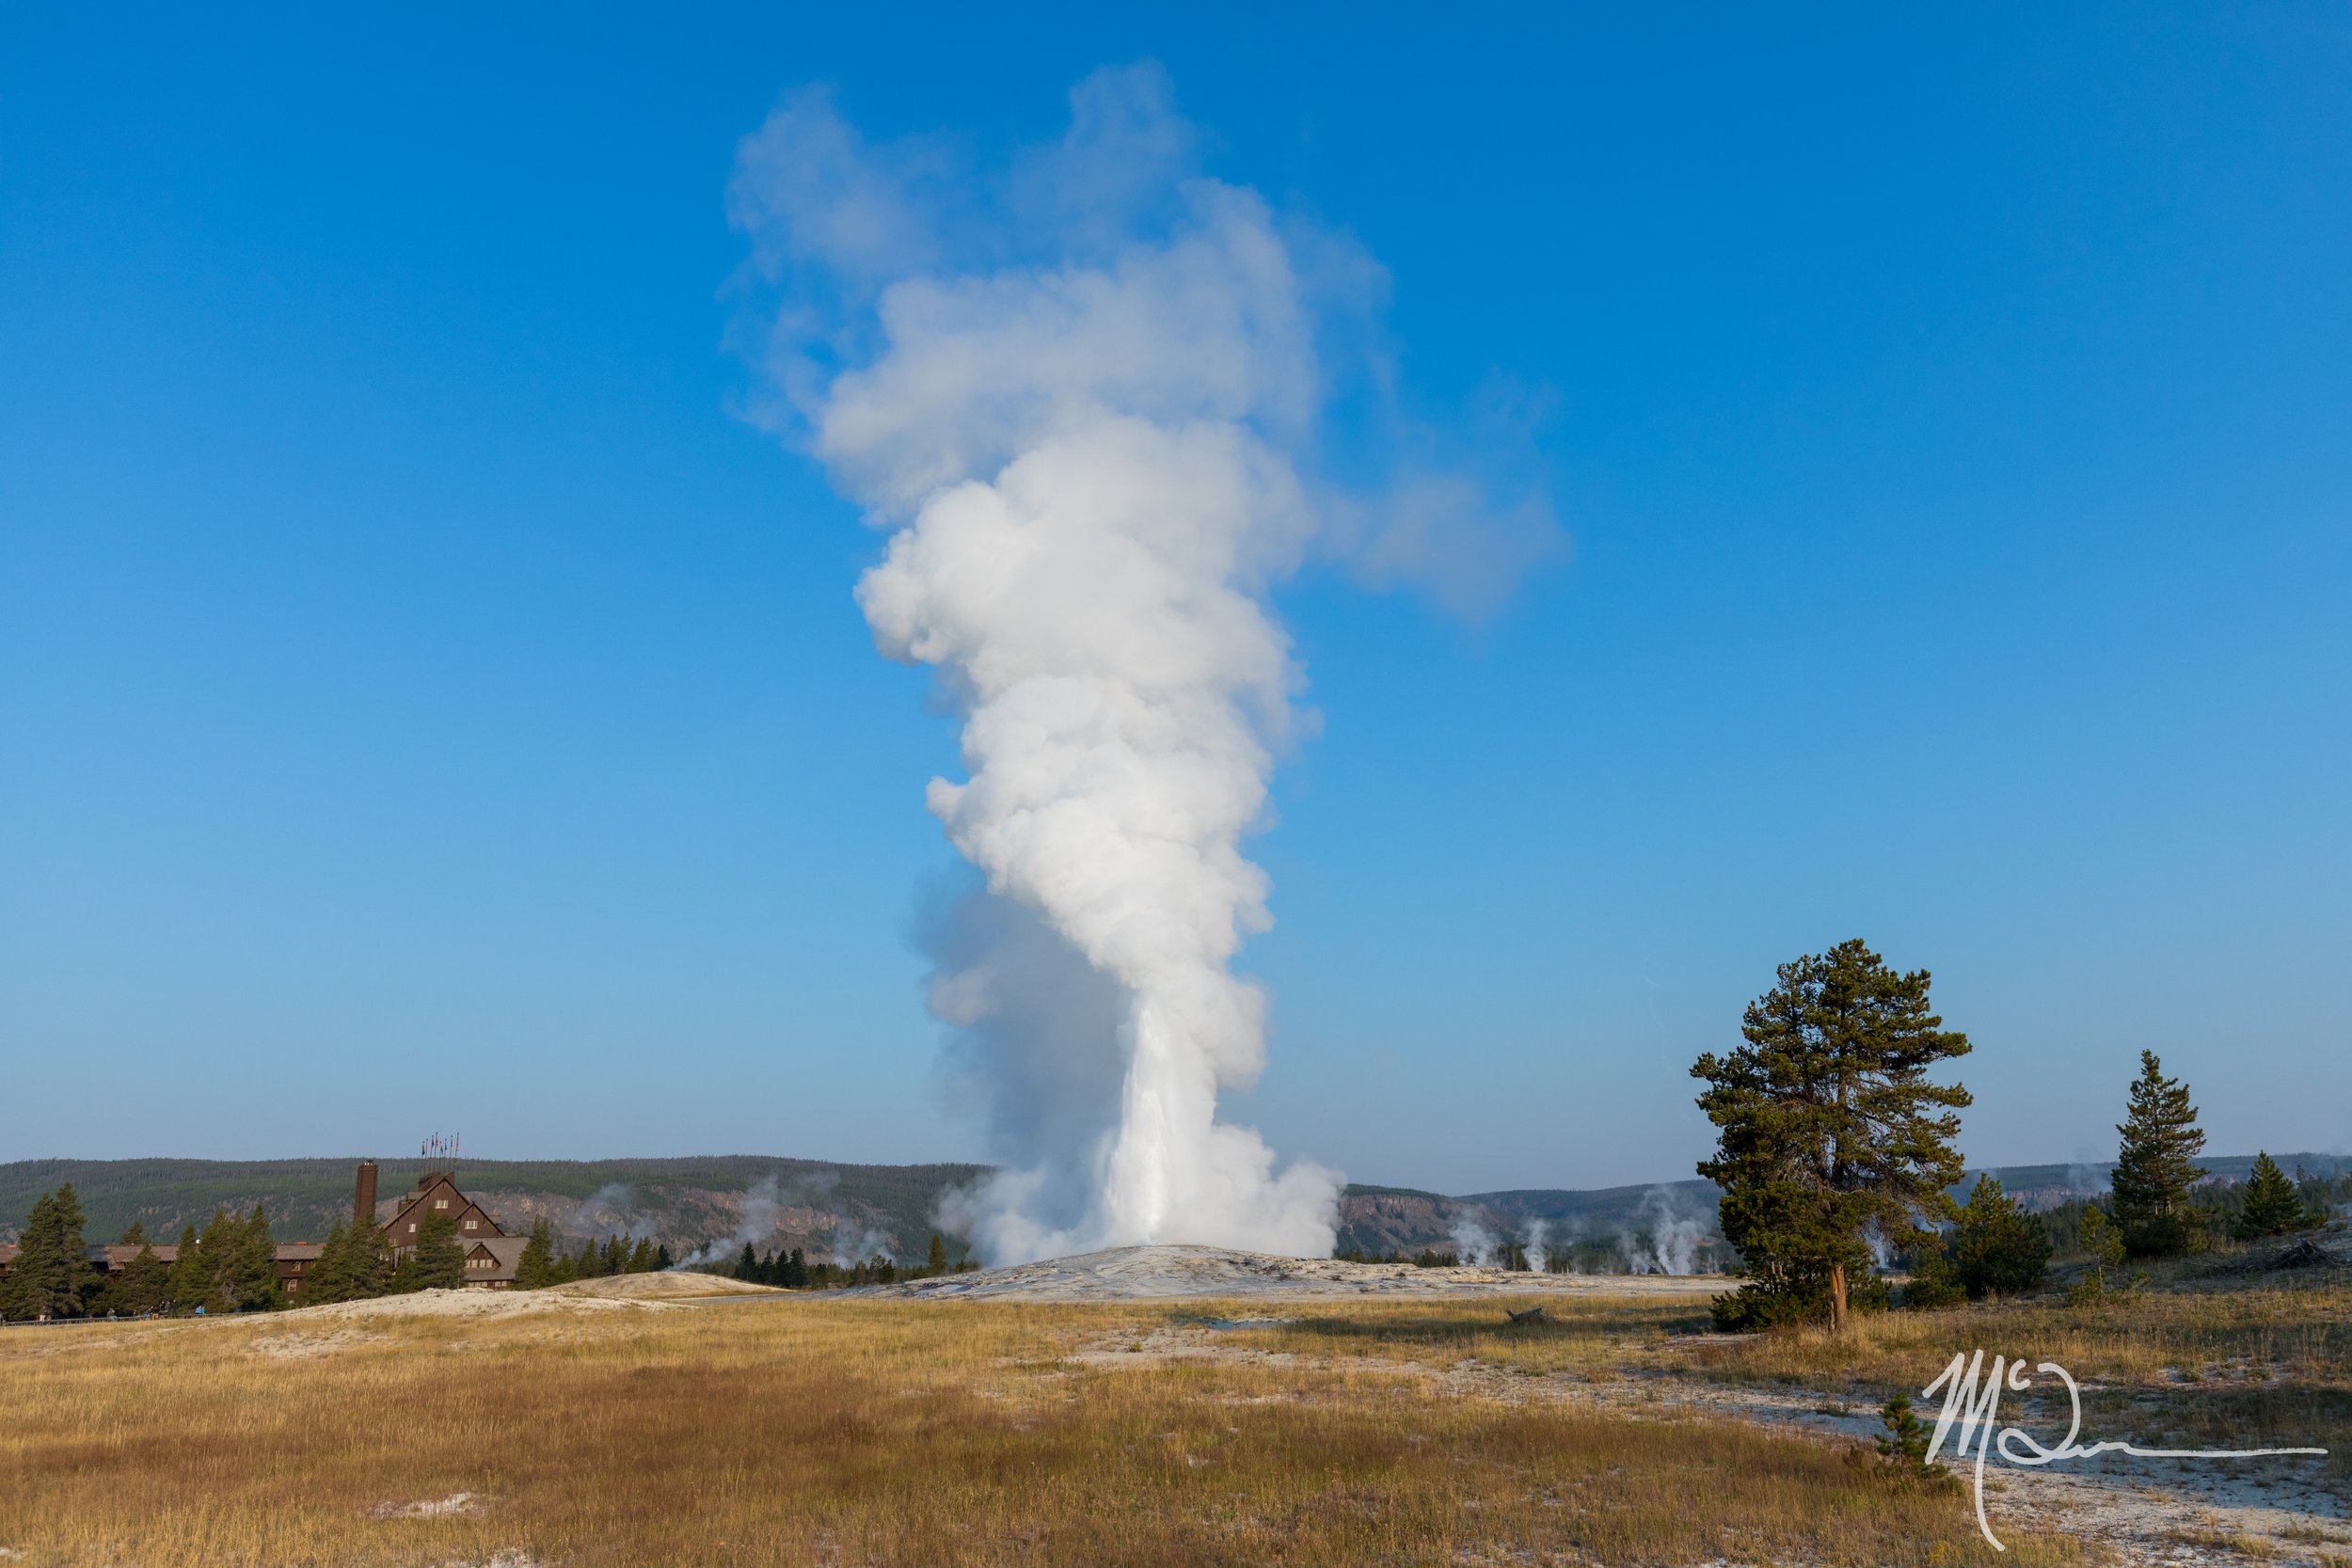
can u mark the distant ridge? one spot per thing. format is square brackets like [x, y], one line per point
[693, 1199]
[1406, 1219]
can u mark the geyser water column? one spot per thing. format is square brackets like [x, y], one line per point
[1095, 605]
[1078, 393]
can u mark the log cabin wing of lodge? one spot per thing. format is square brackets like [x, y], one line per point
[491, 1255]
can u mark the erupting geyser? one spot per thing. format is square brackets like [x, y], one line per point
[1080, 394]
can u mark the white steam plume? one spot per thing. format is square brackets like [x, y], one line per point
[1082, 396]
[1672, 1245]
[760, 1213]
[766, 1205]
[1475, 1245]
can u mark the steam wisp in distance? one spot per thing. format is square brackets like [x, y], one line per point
[1475, 1244]
[1082, 395]
[767, 1209]
[1671, 1244]
[610, 1209]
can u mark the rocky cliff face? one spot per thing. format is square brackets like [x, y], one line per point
[1395, 1219]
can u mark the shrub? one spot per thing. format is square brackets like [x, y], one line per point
[1934, 1283]
[1777, 1302]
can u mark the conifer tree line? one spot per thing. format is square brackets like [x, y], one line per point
[1837, 1156]
[794, 1270]
[230, 1265]
[544, 1262]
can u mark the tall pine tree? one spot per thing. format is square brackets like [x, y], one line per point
[2156, 1165]
[1828, 1123]
[2272, 1206]
[52, 1263]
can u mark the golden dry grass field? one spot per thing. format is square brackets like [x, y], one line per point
[851, 1431]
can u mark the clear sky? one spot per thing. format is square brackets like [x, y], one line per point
[425, 705]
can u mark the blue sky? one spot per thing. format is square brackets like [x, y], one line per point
[424, 703]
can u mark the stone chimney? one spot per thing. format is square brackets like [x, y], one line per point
[363, 1194]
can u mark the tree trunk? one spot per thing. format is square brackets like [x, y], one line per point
[1838, 1298]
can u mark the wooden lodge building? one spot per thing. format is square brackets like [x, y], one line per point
[491, 1255]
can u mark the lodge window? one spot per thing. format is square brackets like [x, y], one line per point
[471, 1224]
[440, 1203]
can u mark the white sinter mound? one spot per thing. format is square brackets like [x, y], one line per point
[1146, 1272]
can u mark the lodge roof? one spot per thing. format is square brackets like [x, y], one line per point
[426, 1186]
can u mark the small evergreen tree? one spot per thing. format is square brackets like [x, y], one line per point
[1997, 1248]
[144, 1285]
[439, 1263]
[538, 1257]
[2155, 1166]
[2273, 1207]
[937, 1262]
[1827, 1124]
[256, 1283]
[367, 1259]
[224, 1261]
[185, 1288]
[1905, 1445]
[615, 1257]
[747, 1266]
[2098, 1238]
[643, 1259]
[662, 1260]
[405, 1280]
[329, 1278]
